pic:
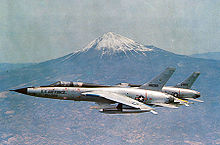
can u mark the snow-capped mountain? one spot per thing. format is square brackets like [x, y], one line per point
[111, 43]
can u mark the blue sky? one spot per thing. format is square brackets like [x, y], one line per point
[35, 31]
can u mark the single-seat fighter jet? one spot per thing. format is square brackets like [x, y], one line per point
[181, 90]
[128, 100]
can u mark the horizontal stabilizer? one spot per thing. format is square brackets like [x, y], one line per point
[182, 102]
[166, 105]
[196, 100]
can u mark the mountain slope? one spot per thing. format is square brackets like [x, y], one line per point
[11, 66]
[208, 55]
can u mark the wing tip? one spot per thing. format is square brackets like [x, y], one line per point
[154, 112]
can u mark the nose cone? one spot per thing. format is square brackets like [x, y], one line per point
[22, 90]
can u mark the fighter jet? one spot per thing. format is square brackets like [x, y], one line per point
[181, 90]
[128, 100]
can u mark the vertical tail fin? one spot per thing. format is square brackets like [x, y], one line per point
[159, 81]
[188, 82]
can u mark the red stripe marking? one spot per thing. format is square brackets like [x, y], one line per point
[146, 95]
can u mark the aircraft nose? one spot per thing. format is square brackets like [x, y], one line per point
[22, 90]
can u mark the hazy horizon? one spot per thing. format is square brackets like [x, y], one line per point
[35, 31]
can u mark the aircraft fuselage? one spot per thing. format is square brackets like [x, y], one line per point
[76, 94]
[181, 93]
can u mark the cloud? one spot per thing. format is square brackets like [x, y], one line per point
[10, 112]
[3, 95]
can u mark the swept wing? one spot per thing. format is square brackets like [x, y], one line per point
[121, 99]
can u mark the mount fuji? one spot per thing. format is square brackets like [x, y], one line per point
[111, 43]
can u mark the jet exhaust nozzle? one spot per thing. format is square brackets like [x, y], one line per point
[170, 99]
[197, 95]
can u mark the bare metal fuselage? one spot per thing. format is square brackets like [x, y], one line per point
[76, 94]
[181, 93]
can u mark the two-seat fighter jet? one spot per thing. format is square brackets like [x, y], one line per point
[129, 100]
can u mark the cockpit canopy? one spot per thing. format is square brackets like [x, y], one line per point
[75, 84]
[66, 84]
[127, 85]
